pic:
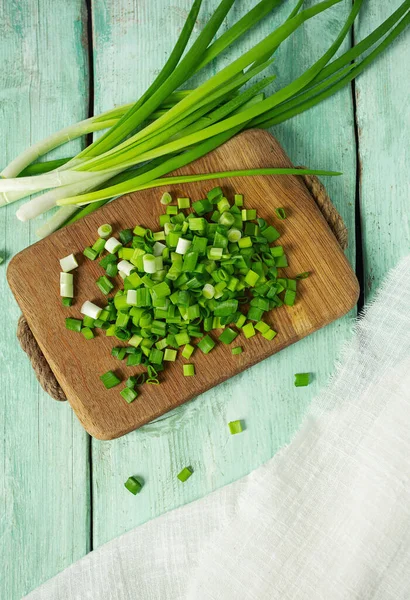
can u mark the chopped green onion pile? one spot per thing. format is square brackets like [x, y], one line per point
[167, 128]
[186, 287]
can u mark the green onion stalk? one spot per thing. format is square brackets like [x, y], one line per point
[166, 128]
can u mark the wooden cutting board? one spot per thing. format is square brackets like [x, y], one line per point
[33, 274]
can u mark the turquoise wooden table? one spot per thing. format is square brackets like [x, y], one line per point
[62, 493]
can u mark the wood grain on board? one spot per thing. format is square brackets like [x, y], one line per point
[330, 292]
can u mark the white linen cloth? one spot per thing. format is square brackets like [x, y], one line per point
[328, 518]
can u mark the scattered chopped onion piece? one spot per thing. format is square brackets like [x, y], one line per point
[112, 245]
[90, 310]
[185, 474]
[68, 263]
[104, 230]
[125, 267]
[235, 427]
[67, 290]
[166, 198]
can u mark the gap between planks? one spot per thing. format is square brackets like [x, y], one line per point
[89, 139]
[359, 267]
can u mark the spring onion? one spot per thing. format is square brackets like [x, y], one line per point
[104, 231]
[182, 126]
[187, 351]
[302, 379]
[139, 231]
[248, 330]
[126, 267]
[99, 245]
[90, 253]
[166, 198]
[68, 263]
[185, 474]
[131, 382]
[73, 324]
[66, 285]
[88, 322]
[125, 236]
[289, 298]
[105, 285]
[237, 350]
[149, 263]
[280, 213]
[182, 245]
[248, 215]
[228, 336]
[235, 427]
[189, 370]
[109, 380]
[87, 333]
[183, 203]
[133, 360]
[129, 394]
[170, 355]
[112, 245]
[240, 321]
[90, 310]
[67, 301]
[262, 326]
[206, 344]
[251, 278]
[133, 485]
[158, 248]
[66, 278]
[208, 291]
[67, 290]
[277, 251]
[269, 334]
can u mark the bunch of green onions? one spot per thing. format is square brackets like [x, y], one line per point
[167, 129]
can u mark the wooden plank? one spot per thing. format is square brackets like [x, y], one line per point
[330, 292]
[44, 519]
[383, 114]
[130, 48]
